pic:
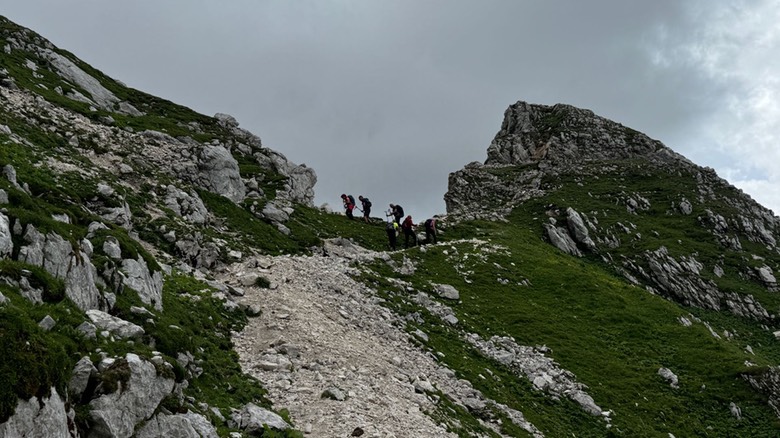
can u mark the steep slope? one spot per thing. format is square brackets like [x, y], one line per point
[159, 268]
[659, 219]
[115, 206]
[633, 210]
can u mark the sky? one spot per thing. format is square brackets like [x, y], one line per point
[386, 98]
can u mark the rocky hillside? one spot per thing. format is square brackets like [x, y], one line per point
[613, 193]
[162, 273]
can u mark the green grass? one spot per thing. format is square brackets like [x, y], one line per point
[32, 361]
[611, 335]
[308, 227]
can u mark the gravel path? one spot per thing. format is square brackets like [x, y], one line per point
[321, 331]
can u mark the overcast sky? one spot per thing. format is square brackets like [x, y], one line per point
[386, 98]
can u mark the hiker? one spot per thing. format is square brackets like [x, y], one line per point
[349, 204]
[397, 211]
[366, 208]
[430, 230]
[392, 233]
[408, 228]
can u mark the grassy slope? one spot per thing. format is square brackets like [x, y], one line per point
[612, 335]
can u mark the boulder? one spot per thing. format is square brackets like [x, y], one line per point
[560, 238]
[6, 241]
[273, 213]
[446, 291]
[117, 414]
[111, 248]
[70, 71]
[58, 257]
[148, 285]
[189, 425]
[121, 216]
[3, 197]
[251, 419]
[116, 326]
[219, 173]
[79, 379]
[44, 417]
[669, 376]
[766, 276]
[47, 323]
[578, 230]
[686, 207]
[188, 206]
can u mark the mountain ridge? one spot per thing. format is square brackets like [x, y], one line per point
[163, 272]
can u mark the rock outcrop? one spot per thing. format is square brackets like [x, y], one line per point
[44, 417]
[116, 414]
[541, 150]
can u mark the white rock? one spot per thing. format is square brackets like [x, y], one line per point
[251, 419]
[46, 417]
[669, 376]
[116, 326]
[6, 241]
[116, 414]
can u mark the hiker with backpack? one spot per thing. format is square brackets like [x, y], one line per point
[397, 211]
[408, 228]
[430, 230]
[392, 233]
[349, 205]
[366, 208]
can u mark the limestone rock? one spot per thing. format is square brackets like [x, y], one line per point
[219, 173]
[686, 207]
[680, 279]
[189, 425]
[6, 241]
[766, 276]
[3, 197]
[669, 376]
[139, 278]
[186, 205]
[300, 180]
[111, 248]
[447, 291]
[46, 417]
[275, 214]
[69, 70]
[62, 260]
[116, 414]
[251, 419]
[116, 326]
[79, 379]
[47, 323]
[560, 238]
[578, 229]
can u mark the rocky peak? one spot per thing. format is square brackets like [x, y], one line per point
[565, 135]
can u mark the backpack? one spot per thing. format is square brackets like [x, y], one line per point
[429, 224]
[366, 203]
[351, 199]
[400, 211]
